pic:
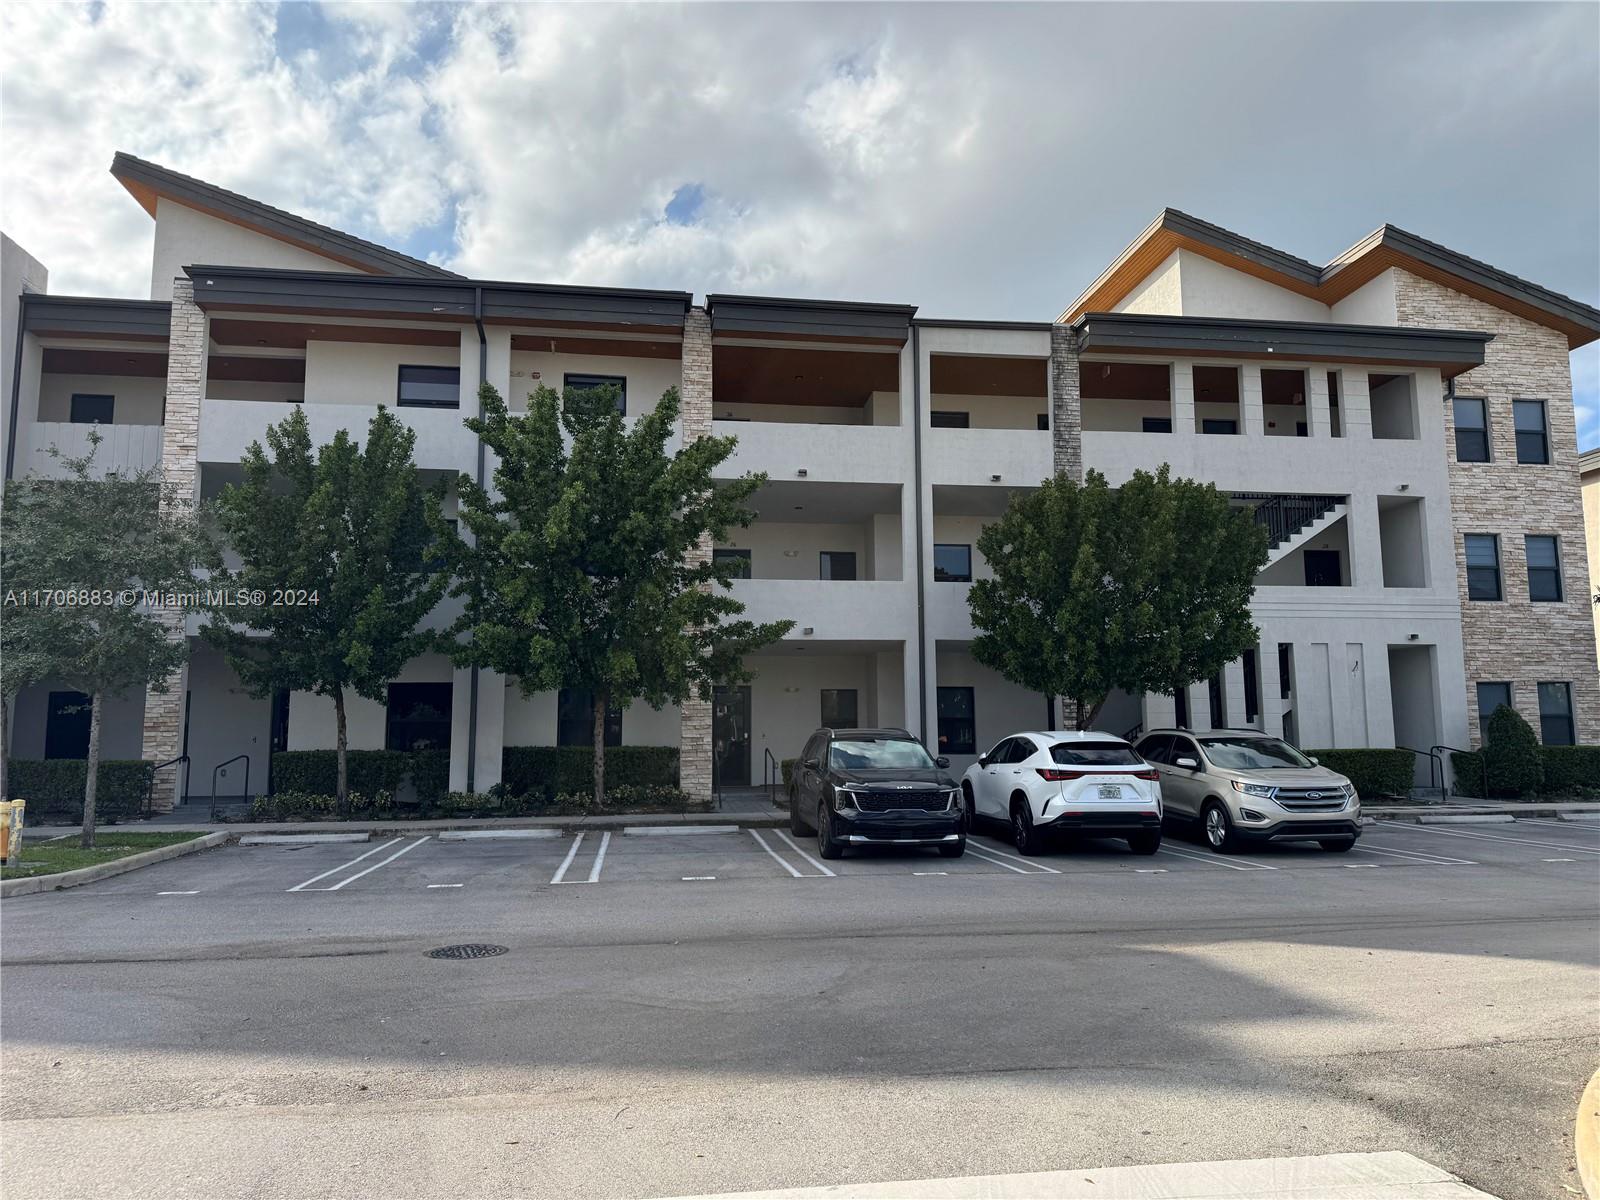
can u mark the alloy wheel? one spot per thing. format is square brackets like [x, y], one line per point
[1216, 827]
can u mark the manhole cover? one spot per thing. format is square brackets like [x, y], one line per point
[471, 950]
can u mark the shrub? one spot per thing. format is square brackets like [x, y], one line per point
[1374, 772]
[316, 772]
[314, 806]
[1570, 769]
[1468, 767]
[549, 771]
[1511, 753]
[54, 787]
[788, 770]
[430, 776]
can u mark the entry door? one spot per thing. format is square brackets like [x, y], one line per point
[1322, 568]
[730, 736]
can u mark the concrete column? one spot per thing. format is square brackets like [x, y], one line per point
[1355, 403]
[1183, 397]
[1319, 418]
[1252, 419]
[1066, 407]
[1233, 693]
[1199, 705]
[1380, 700]
[180, 470]
[490, 749]
[694, 739]
[1272, 704]
[1366, 543]
[1157, 711]
[460, 723]
[910, 689]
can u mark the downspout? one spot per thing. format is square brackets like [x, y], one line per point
[16, 389]
[922, 616]
[472, 690]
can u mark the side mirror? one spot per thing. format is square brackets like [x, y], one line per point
[941, 761]
[1314, 760]
[983, 760]
[1188, 764]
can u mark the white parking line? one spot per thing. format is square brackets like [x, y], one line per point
[995, 862]
[669, 830]
[1361, 866]
[699, 878]
[776, 857]
[599, 858]
[1541, 860]
[197, 893]
[1497, 837]
[384, 845]
[572, 853]
[795, 847]
[930, 872]
[1415, 856]
[382, 862]
[1149, 870]
[991, 852]
[446, 885]
[1242, 864]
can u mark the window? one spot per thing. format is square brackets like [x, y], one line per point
[584, 383]
[739, 558]
[429, 387]
[1156, 424]
[278, 730]
[878, 754]
[1252, 688]
[1533, 442]
[1182, 747]
[1180, 708]
[1094, 754]
[839, 709]
[1544, 567]
[1472, 429]
[1285, 669]
[1219, 711]
[1483, 566]
[1490, 697]
[958, 733]
[952, 564]
[1555, 714]
[1021, 750]
[1218, 425]
[1156, 748]
[418, 717]
[1254, 754]
[945, 419]
[837, 564]
[91, 410]
[66, 729]
[1044, 421]
[575, 719]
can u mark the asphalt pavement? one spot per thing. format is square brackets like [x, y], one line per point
[702, 1012]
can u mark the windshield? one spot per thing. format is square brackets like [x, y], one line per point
[1254, 754]
[1094, 754]
[871, 755]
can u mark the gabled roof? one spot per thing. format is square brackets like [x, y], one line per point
[147, 181]
[1387, 246]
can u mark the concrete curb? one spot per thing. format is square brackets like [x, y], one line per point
[1586, 1138]
[300, 839]
[1466, 819]
[562, 825]
[1500, 812]
[119, 866]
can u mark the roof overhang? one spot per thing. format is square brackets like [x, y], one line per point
[1450, 351]
[89, 317]
[334, 293]
[1386, 247]
[816, 320]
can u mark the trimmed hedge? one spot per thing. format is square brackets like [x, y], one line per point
[54, 787]
[546, 771]
[1374, 772]
[316, 772]
[304, 806]
[1568, 770]
[1511, 752]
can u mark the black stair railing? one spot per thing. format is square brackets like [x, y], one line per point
[1283, 516]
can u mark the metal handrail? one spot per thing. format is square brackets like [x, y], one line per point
[1284, 515]
[1435, 767]
[150, 792]
[1483, 763]
[771, 772]
[1129, 734]
[218, 768]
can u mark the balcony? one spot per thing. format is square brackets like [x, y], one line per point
[826, 453]
[973, 457]
[948, 613]
[834, 610]
[227, 427]
[1263, 464]
[124, 448]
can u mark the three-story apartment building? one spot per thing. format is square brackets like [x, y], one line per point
[1400, 419]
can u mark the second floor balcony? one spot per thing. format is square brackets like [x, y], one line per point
[227, 427]
[127, 449]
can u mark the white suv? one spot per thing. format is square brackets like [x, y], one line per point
[1085, 783]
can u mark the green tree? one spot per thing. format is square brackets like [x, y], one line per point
[1145, 587]
[344, 532]
[83, 555]
[1511, 756]
[583, 570]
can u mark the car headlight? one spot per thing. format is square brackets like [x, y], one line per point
[1352, 797]
[953, 798]
[1263, 791]
[843, 801]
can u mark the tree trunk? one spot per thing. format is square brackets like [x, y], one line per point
[5, 743]
[342, 788]
[600, 699]
[1078, 712]
[92, 775]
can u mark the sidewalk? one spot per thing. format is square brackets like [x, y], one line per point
[1472, 808]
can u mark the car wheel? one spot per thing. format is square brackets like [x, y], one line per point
[972, 806]
[1218, 829]
[954, 849]
[797, 825]
[1023, 833]
[1144, 843]
[827, 845]
[1337, 845]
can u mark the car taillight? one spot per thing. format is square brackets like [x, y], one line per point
[1056, 775]
[1149, 773]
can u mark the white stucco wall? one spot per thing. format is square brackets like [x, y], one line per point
[366, 372]
[19, 272]
[121, 721]
[531, 720]
[1213, 290]
[1370, 304]
[138, 398]
[1000, 707]
[185, 237]
[993, 412]
[1160, 292]
[647, 378]
[783, 550]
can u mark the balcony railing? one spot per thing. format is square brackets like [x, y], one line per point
[834, 610]
[826, 453]
[124, 448]
[1020, 457]
[227, 427]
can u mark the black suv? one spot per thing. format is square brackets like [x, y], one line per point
[875, 787]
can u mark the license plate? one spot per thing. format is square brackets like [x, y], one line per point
[1110, 791]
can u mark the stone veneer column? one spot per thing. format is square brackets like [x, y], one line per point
[180, 471]
[1066, 409]
[694, 740]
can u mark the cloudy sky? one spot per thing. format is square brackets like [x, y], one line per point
[977, 161]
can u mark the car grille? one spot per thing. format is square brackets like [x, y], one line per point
[1329, 799]
[877, 802]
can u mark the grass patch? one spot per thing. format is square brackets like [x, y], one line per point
[53, 857]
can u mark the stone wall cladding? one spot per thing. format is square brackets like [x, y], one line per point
[694, 739]
[180, 470]
[1515, 640]
[1066, 410]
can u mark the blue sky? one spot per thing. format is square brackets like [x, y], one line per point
[975, 161]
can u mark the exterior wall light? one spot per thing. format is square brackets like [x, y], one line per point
[801, 472]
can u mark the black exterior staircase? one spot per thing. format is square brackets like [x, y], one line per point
[1284, 515]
